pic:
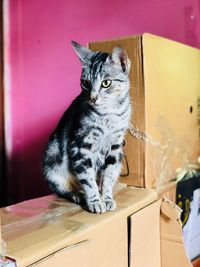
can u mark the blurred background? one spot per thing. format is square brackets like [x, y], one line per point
[41, 71]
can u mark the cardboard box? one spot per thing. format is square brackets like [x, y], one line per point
[172, 247]
[145, 237]
[191, 229]
[186, 194]
[168, 191]
[165, 94]
[51, 232]
[188, 198]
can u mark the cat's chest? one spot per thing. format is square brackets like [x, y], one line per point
[115, 118]
[103, 149]
[110, 129]
[109, 124]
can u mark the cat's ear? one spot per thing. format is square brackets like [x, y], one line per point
[119, 56]
[82, 52]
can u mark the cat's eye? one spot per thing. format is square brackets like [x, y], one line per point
[106, 83]
[86, 84]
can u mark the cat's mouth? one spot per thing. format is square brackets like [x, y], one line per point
[92, 103]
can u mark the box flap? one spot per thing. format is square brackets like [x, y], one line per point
[34, 229]
[145, 237]
[168, 190]
[171, 74]
[172, 248]
[170, 210]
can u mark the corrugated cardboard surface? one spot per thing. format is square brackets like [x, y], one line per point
[50, 227]
[168, 191]
[172, 82]
[172, 248]
[104, 245]
[186, 193]
[48, 232]
[165, 86]
[145, 226]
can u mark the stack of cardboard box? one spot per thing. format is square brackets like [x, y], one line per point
[145, 230]
[49, 231]
[164, 134]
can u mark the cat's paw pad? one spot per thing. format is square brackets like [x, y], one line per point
[110, 205]
[96, 207]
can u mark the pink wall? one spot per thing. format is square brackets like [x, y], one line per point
[43, 72]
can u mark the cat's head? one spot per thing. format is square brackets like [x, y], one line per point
[104, 76]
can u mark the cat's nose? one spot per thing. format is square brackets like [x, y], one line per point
[93, 99]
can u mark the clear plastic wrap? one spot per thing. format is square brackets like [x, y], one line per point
[167, 153]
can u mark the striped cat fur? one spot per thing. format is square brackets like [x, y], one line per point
[82, 160]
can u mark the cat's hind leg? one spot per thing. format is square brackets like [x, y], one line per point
[65, 187]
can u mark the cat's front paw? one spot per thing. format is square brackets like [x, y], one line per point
[110, 205]
[96, 207]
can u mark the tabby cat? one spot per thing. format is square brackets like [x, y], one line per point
[82, 160]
